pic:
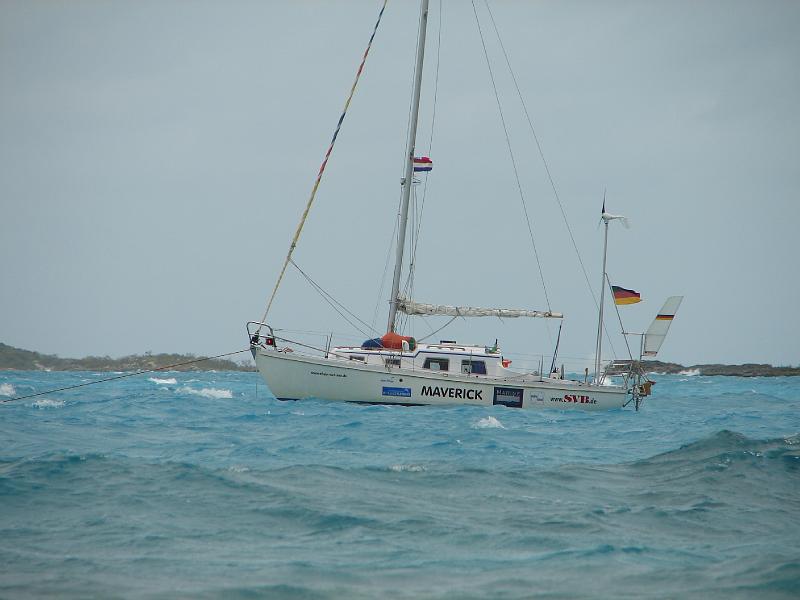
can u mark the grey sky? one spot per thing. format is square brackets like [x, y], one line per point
[155, 157]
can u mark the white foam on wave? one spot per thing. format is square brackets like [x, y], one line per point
[238, 469]
[407, 468]
[168, 381]
[690, 372]
[6, 389]
[207, 392]
[488, 423]
[47, 403]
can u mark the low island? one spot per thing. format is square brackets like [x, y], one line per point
[18, 359]
[744, 370]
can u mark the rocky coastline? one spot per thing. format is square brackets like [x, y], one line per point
[743, 370]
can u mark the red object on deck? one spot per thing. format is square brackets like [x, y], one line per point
[394, 341]
[506, 363]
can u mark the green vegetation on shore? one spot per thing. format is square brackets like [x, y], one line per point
[25, 360]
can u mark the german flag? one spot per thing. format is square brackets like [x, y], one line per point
[664, 317]
[623, 296]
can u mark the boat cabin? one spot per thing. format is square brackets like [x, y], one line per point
[444, 357]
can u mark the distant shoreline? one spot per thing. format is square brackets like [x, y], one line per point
[17, 359]
[710, 370]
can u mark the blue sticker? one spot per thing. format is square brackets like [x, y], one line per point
[397, 391]
[508, 397]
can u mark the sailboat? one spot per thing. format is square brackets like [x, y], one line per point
[397, 369]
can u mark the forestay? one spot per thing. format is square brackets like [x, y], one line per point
[410, 307]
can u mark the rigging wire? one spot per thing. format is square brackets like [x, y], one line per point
[430, 139]
[334, 303]
[343, 335]
[412, 242]
[395, 240]
[419, 206]
[313, 195]
[404, 320]
[123, 376]
[383, 277]
[511, 154]
[545, 164]
[621, 326]
[433, 333]
[296, 343]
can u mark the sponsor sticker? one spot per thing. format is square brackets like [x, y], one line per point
[575, 399]
[402, 392]
[508, 397]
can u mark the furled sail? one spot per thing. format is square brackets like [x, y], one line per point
[658, 329]
[410, 307]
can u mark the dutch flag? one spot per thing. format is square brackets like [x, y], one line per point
[422, 163]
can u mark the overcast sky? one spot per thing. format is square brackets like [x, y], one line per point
[155, 158]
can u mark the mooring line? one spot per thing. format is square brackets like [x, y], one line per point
[142, 372]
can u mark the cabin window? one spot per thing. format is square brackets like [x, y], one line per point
[475, 367]
[356, 357]
[437, 364]
[392, 362]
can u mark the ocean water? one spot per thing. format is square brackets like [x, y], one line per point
[202, 485]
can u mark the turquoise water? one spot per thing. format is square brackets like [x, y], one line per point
[201, 485]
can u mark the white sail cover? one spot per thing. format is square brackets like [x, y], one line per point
[658, 329]
[410, 307]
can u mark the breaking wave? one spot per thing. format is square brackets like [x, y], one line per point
[6, 389]
[407, 468]
[47, 403]
[167, 381]
[489, 422]
[207, 392]
[690, 372]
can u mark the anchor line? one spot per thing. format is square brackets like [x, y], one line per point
[123, 376]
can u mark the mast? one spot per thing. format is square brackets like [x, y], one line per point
[602, 300]
[606, 217]
[409, 165]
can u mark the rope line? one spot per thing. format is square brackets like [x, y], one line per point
[141, 372]
[322, 167]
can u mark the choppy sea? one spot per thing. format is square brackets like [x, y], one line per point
[202, 485]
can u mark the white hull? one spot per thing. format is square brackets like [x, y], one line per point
[294, 376]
